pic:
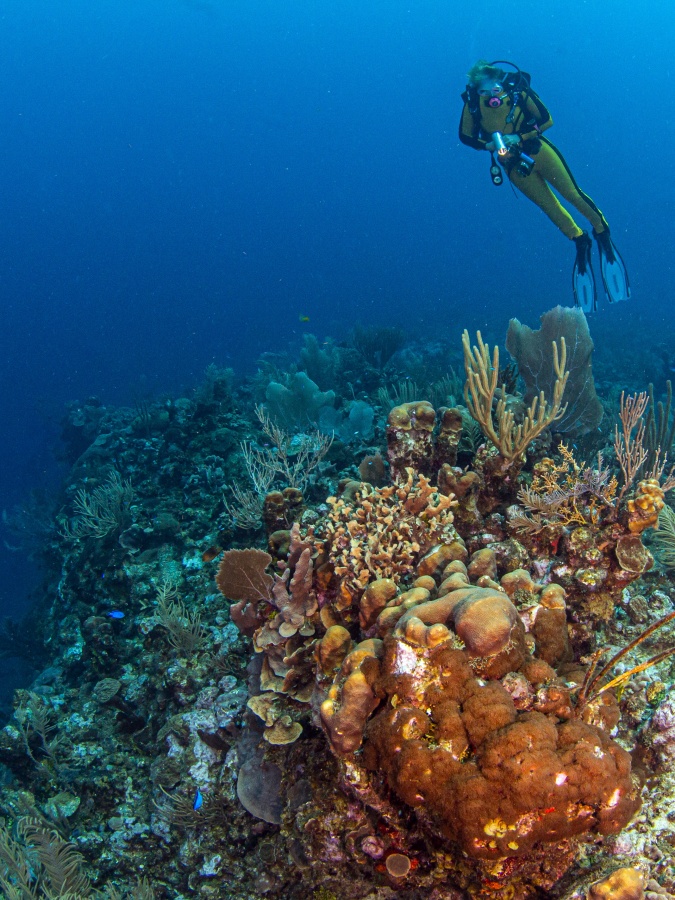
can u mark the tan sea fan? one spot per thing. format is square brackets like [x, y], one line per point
[241, 575]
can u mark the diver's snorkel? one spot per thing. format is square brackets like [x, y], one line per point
[517, 73]
[518, 83]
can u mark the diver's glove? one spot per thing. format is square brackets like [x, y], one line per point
[512, 141]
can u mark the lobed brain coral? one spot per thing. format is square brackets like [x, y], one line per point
[492, 778]
[450, 709]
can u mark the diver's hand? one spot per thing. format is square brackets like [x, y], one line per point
[512, 141]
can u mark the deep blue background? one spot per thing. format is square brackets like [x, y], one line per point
[182, 180]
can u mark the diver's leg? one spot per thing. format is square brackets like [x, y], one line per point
[536, 189]
[551, 165]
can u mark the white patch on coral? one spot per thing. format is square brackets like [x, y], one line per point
[210, 865]
[77, 721]
[664, 717]
[193, 562]
[560, 778]
[373, 847]
[405, 659]
[614, 799]
[623, 844]
[541, 567]
[527, 616]
[201, 772]
[200, 720]
[204, 753]
[661, 731]
[175, 749]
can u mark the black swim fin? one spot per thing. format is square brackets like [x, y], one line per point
[583, 280]
[612, 268]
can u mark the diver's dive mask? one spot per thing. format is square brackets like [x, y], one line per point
[492, 89]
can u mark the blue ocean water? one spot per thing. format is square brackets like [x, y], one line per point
[183, 180]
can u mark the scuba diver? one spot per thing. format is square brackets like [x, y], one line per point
[503, 115]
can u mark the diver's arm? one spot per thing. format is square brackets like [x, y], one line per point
[537, 114]
[466, 130]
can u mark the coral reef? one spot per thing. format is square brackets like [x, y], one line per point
[446, 682]
[484, 741]
[280, 667]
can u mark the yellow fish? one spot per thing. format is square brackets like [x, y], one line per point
[304, 318]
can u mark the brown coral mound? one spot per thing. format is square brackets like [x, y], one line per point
[482, 618]
[352, 697]
[495, 780]
[485, 621]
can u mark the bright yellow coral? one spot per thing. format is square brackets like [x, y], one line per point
[644, 508]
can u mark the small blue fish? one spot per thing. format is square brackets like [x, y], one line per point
[116, 614]
[199, 799]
